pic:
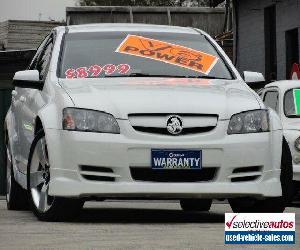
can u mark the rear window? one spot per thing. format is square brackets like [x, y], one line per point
[109, 54]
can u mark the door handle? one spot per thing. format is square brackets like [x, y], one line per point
[22, 99]
[14, 93]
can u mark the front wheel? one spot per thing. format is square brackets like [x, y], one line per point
[44, 206]
[272, 204]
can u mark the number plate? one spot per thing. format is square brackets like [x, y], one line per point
[176, 159]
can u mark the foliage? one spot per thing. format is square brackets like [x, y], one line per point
[187, 3]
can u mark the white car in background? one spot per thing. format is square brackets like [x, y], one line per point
[283, 97]
[140, 111]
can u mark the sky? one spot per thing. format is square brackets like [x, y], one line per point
[43, 10]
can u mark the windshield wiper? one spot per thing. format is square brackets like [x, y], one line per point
[210, 77]
[167, 76]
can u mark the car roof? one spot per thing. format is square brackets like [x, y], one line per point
[284, 84]
[106, 27]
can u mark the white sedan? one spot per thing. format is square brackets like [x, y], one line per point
[140, 111]
[284, 98]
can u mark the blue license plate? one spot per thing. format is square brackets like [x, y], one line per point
[176, 159]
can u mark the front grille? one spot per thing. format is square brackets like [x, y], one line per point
[157, 123]
[163, 131]
[172, 175]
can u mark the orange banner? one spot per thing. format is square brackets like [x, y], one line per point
[168, 53]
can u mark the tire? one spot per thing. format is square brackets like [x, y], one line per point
[44, 206]
[195, 204]
[286, 176]
[272, 204]
[16, 196]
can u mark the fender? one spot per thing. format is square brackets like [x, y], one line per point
[275, 122]
[276, 139]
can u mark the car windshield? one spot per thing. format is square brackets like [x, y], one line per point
[123, 54]
[292, 103]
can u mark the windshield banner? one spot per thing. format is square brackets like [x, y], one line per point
[296, 93]
[168, 53]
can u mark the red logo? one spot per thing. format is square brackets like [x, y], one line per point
[229, 223]
[295, 73]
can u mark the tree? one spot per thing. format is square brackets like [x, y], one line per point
[187, 3]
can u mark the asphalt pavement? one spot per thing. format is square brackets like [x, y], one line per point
[124, 225]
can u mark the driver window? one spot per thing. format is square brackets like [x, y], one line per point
[42, 58]
[37, 54]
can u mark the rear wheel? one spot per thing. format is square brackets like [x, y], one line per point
[195, 204]
[272, 204]
[44, 206]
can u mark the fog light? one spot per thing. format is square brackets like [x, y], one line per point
[297, 144]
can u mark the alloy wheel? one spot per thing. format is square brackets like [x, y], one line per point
[40, 177]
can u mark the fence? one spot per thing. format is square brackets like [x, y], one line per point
[5, 99]
[210, 20]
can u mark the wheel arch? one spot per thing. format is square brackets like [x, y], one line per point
[38, 125]
[286, 145]
[7, 126]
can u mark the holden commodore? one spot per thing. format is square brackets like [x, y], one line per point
[137, 111]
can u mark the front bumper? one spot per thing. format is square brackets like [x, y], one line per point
[70, 150]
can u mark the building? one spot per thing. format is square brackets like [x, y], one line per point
[267, 36]
[18, 42]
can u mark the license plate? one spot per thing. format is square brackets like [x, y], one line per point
[176, 159]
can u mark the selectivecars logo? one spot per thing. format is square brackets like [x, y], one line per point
[260, 228]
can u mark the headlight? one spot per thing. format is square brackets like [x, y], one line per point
[297, 144]
[249, 122]
[89, 121]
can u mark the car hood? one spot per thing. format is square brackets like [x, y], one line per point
[123, 96]
[292, 125]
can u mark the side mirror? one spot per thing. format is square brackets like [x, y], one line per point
[253, 77]
[28, 79]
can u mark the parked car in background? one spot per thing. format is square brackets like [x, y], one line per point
[284, 98]
[140, 111]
